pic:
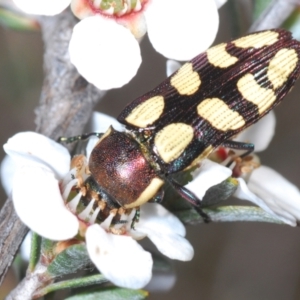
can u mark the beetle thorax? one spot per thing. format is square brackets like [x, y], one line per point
[119, 166]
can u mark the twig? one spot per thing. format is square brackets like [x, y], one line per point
[66, 104]
[12, 234]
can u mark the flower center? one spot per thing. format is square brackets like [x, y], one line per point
[84, 201]
[116, 7]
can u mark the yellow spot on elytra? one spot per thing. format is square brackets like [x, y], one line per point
[281, 66]
[257, 40]
[256, 94]
[147, 112]
[220, 115]
[172, 140]
[149, 192]
[186, 81]
[219, 57]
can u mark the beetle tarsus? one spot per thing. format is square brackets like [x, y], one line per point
[136, 217]
[190, 197]
[76, 138]
[206, 218]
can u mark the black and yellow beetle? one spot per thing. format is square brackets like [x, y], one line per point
[180, 122]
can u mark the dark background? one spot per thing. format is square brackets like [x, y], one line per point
[232, 261]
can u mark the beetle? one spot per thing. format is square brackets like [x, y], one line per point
[200, 107]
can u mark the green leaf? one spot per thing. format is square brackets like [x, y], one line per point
[69, 261]
[35, 251]
[229, 214]
[72, 283]
[185, 211]
[112, 294]
[16, 21]
[189, 216]
[47, 248]
[220, 192]
[242, 214]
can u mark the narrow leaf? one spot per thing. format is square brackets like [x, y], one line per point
[35, 251]
[112, 294]
[229, 214]
[72, 283]
[69, 261]
[220, 192]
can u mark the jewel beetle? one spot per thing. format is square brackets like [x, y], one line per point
[200, 107]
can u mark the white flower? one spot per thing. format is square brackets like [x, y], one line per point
[38, 200]
[119, 258]
[172, 66]
[273, 193]
[105, 53]
[41, 185]
[165, 231]
[104, 46]
[25, 247]
[173, 28]
[208, 175]
[266, 187]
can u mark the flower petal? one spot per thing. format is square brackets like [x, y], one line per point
[181, 29]
[105, 53]
[81, 9]
[165, 230]
[162, 281]
[119, 258]
[100, 122]
[93, 140]
[136, 23]
[155, 216]
[243, 192]
[281, 196]
[26, 247]
[220, 3]
[38, 203]
[7, 169]
[36, 149]
[261, 133]
[38, 7]
[208, 175]
[172, 66]
[173, 246]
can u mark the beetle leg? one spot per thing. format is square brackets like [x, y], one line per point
[76, 138]
[249, 147]
[158, 198]
[136, 217]
[190, 197]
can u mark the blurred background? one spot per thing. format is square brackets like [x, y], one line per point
[232, 261]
